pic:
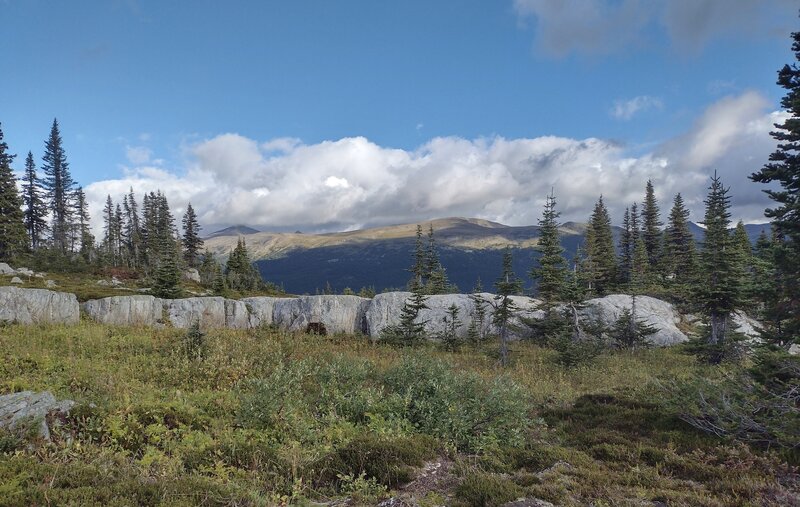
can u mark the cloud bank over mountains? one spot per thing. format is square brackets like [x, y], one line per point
[284, 184]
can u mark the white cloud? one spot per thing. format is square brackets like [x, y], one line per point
[627, 109]
[138, 155]
[564, 27]
[350, 182]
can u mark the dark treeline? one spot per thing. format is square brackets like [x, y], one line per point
[46, 222]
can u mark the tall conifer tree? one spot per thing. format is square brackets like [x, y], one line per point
[83, 224]
[722, 268]
[35, 208]
[13, 238]
[600, 250]
[784, 169]
[59, 186]
[551, 273]
[192, 243]
[651, 226]
[679, 245]
[507, 285]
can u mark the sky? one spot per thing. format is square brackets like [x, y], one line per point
[320, 115]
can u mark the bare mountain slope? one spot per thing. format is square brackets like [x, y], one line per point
[460, 233]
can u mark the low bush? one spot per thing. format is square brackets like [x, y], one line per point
[486, 490]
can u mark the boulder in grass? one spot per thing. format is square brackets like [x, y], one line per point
[27, 407]
[7, 270]
[38, 306]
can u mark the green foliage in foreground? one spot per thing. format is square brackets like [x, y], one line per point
[166, 417]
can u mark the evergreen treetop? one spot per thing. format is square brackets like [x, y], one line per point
[59, 186]
[35, 207]
[651, 225]
[192, 243]
[552, 270]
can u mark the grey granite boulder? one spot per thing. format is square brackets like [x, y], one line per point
[17, 280]
[208, 312]
[742, 323]
[333, 313]
[657, 313]
[192, 274]
[5, 269]
[138, 310]
[27, 406]
[38, 306]
[260, 309]
[237, 315]
[384, 311]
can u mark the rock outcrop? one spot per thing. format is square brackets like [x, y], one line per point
[5, 269]
[138, 310]
[38, 306]
[237, 316]
[29, 407]
[322, 314]
[384, 311]
[192, 274]
[659, 314]
[208, 312]
[328, 313]
[261, 310]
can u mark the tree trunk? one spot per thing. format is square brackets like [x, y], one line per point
[503, 345]
[577, 331]
[718, 328]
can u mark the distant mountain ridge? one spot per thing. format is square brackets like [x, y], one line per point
[380, 256]
[470, 248]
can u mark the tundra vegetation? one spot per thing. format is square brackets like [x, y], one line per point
[577, 415]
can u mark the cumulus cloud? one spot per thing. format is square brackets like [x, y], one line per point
[627, 109]
[605, 26]
[353, 182]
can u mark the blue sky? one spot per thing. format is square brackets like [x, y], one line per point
[328, 115]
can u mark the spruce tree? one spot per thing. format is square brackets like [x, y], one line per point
[651, 226]
[418, 268]
[768, 291]
[13, 238]
[59, 186]
[507, 285]
[118, 238]
[783, 168]
[108, 232]
[240, 274]
[166, 283]
[133, 230]
[679, 246]
[35, 208]
[552, 270]
[191, 237]
[600, 250]
[720, 291]
[477, 328]
[209, 268]
[83, 223]
[626, 247]
[434, 274]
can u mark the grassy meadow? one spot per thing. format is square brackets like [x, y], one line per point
[264, 417]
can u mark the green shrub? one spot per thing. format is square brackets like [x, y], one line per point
[487, 490]
[460, 407]
[571, 353]
[389, 460]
